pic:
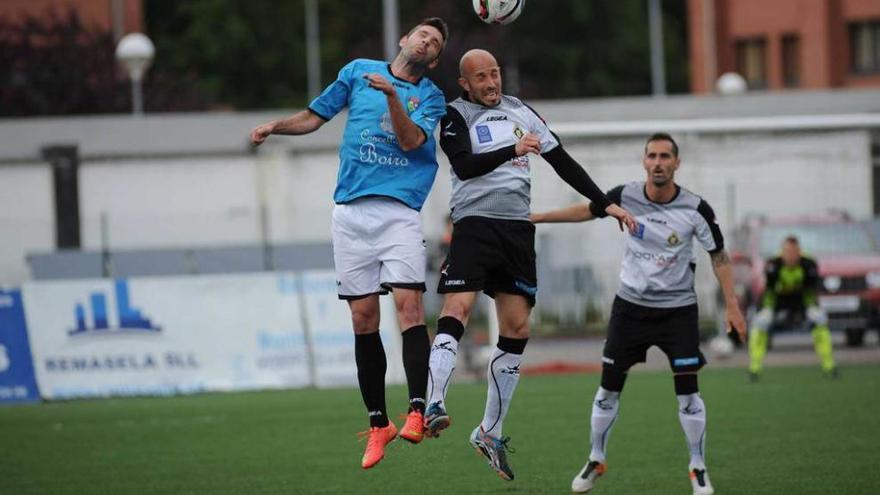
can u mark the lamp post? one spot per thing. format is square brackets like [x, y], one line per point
[135, 51]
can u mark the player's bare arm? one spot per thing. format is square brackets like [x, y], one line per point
[579, 212]
[302, 122]
[724, 273]
[409, 135]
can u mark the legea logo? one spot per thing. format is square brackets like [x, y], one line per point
[128, 319]
[4, 359]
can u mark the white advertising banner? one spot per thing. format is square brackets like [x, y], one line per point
[165, 335]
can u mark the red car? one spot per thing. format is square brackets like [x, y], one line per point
[848, 259]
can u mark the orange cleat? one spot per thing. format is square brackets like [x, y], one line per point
[377, 439]
[413, 430]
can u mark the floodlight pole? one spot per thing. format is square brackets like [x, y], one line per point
[658, 71]
[391, 28]
[313, 48]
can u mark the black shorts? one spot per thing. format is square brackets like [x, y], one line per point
[493, 256]
[632, 329]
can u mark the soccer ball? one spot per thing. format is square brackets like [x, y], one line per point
[498, 11]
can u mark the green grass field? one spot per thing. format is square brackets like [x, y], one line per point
[793, 433]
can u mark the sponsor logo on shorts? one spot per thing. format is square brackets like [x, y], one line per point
[483, 134]
[686, 361]
[454, 282]
[607, 360]
[528, 289]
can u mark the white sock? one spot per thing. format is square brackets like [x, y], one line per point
[605, 408]
[502, 376]
[441, 364]
[692, 414]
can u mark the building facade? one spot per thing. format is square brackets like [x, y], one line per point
[785, 44]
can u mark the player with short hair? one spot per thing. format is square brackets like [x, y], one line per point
[790, 292]
[387, 167]
[487, 136]
[656, 303]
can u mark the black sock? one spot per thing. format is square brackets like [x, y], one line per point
[371, 364]
[416, 350]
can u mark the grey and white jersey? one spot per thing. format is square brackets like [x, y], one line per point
[505, 192]
[658, 262]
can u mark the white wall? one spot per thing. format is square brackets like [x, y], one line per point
[26, 218]
[214, 201]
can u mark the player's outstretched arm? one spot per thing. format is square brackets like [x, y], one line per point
[724, 273]
[302, 122]
[579, 212]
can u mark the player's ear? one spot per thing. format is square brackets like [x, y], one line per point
[402, 40]
[464, 84]
[434, 63]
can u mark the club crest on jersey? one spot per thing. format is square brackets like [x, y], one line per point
[412, 103]
[519, 133]
[483, 134]
[673, 239]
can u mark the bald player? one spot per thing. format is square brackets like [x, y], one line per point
[489, 137]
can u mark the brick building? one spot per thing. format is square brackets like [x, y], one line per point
[785, 44]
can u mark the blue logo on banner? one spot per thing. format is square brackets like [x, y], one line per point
[17, 382]
[130, 318]
[483, 134]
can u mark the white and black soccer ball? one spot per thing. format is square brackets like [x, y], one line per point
[498, 11]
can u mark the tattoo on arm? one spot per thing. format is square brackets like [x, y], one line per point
[720, 259]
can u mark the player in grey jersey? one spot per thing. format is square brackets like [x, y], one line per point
[656, 303]
[488, 137]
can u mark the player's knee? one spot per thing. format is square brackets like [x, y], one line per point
[364, 321]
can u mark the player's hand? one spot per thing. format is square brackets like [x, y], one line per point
[376, 81]
[529, 143]
[623, 218]
[261, 132]
[735, 321]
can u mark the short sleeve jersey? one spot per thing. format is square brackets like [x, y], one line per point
[505, 192]
[658, 267]
[371, 162]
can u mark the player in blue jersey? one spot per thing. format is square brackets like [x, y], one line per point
[387, 164]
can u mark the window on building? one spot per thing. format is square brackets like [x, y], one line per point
[791, 61]
[864, 42]
[751, 62]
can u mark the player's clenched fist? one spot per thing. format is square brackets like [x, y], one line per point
[529, 143]
[260, 133]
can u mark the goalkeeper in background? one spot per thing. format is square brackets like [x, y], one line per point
[790, 295]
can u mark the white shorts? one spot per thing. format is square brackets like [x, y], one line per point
[377, 245]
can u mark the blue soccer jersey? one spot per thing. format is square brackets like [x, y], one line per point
[371, 162]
